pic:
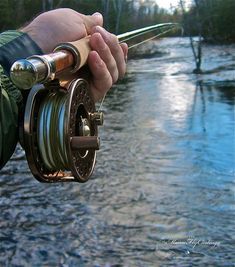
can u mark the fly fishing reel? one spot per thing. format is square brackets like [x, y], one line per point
[61, 132]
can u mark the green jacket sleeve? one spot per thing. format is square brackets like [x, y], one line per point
[10, 97]
[14, 45]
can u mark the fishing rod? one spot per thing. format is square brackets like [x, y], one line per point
[60, 128]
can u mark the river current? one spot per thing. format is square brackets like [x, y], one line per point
[163, 190]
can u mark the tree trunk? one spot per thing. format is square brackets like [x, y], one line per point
[43, 5]
[119, 12]
[196, 49]
[106, 13]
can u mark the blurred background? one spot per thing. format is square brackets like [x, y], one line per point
[163, 190]
[214, 16]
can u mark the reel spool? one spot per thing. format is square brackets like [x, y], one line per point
[61, 132]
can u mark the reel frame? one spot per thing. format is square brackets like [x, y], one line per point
[81, 148]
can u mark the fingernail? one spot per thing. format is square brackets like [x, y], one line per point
[97, 18]
[100, 42]
[99, 29]
[103, 33]
[97, 14]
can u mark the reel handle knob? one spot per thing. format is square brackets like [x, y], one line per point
[85, 142]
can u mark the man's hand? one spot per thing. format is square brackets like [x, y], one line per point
[107, 60]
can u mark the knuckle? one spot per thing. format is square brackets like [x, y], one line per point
[114, 38]
[117, 51]
[112, 41]
[113, 66]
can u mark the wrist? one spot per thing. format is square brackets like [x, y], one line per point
[16, 45]
[35, 36]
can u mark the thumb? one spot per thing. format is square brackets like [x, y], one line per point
[98, 19]
[90, 21]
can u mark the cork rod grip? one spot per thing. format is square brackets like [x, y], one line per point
[66, 57]
[80, 50]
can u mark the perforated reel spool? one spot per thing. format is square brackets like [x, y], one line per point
[80, 145]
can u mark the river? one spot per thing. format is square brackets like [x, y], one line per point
[163, 190]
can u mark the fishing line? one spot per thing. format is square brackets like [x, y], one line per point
[151, 38]
[51, 131]
[144, 30]
[122, 39]
[139, 34]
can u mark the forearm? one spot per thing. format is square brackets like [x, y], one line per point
[8, 118]
[13, 45]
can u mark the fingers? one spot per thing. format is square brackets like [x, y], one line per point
[124, 47]
[98, 44]
[115, 49]
[102, 79]
[107, 61]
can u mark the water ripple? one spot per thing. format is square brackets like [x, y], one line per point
[164, 176]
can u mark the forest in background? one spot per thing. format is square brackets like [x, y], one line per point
[213, 19]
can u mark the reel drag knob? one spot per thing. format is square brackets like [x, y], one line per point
[97, 117]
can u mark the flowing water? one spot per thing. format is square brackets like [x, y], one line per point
[163, 191]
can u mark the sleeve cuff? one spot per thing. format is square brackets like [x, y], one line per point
[15, 45]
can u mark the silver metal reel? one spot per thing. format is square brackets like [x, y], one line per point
[78, 132]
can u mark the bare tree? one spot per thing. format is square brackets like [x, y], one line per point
[44, 5]
[47, 5]
[59, 3]
[196, 46]
[118, 9]
[51, 4]
[20, 11]
[106, 12]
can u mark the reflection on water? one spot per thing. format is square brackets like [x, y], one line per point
[163, 190]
